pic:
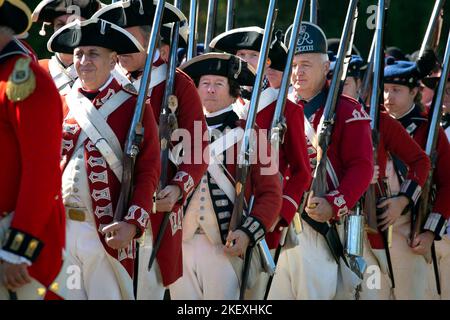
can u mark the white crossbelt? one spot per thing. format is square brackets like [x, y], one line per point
[159, 75]
[266, 97]
[216, 148]
[61, 76]
[94, 126]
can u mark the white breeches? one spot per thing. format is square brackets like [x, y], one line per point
[410, 270]
[207, 273]
[87, 258]
[376, 284]
[149, 285]
[307, 271]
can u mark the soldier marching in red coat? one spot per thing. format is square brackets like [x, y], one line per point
[349, 174]
[293, 162]
[394, 143]
[211, 269]
[402, 102]
[183, 177]
[98, 113]
[32, 220]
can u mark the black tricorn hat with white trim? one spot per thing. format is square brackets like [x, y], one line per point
[16, 15]
[49, 10]
[183, 36]
[93, 32]
[250, 38]
[311, 39]
[131, 13]
[220, 64]
[247, 38]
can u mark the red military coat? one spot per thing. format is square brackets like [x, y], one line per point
[186, 175]
[350, 150]
[146, 173]
[416, 124]
[30, 178]
[293, 155]
[395, 141]
[262, 182]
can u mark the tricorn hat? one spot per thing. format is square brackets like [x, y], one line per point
[250, 38]
[16, 15]
[220, 64]
[131, 13]
[93, 32]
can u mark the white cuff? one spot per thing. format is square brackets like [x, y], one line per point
[13, 258]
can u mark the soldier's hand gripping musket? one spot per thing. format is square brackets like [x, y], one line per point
[167, 124]
[425, 203]
[246, 149]
[319, 185]
[136, 131]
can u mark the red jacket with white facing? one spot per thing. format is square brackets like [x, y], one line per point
[105, 194]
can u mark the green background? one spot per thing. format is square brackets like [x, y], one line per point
[406, 23]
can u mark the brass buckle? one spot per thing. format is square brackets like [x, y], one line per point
[77, 215]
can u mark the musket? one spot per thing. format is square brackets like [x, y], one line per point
[245, 151]
[136, 132]
[430, 149]
[192, 43]
[432, 34]
[366, 85]
[278, 126]
[370, 198]
[319, 185]
[229, 24]
[370, 203]
[210, 23]
[167, 123]
[314, 12]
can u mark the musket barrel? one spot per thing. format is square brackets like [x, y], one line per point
[313, 11]
[319, 183]
[210, 23]
[230, 15]
[268, 31]
[165, 130]
[430, 147]
[427, 41]
[136, 131]
[243, 160]
[364, 91]
[285, 81]
[377, 67]
[192, 45]
[437, 103]
[146, 76]
[344, 52]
